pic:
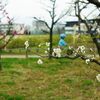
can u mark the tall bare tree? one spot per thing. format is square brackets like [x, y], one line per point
[51, 9]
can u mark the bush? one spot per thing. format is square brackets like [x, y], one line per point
[1, 43]
[35, 40]
[56, 38]
[16, 43]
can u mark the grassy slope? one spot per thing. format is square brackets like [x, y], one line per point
[58, 79]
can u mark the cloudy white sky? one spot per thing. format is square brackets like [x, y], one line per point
[23, 10]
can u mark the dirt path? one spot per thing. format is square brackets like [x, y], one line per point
[18, 56]
[29, 56]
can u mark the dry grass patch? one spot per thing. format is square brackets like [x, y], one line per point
[56, 79]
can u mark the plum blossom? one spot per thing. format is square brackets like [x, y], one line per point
[98, 77]
[9, 21]
[8, 17]
[91, 50]
[40, 61]
[57, 52]
[87, 61]
[48, 44]
[15, 32]
[26, 44]
[46, 51]
[39, 45]
[81, 49]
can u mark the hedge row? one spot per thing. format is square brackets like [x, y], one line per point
[35, 40]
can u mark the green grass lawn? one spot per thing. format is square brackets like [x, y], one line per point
[56, 79]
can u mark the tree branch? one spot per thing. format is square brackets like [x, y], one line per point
[45, 31]
[95, 2]
[60, 17]
[43, 22]
[83, 57]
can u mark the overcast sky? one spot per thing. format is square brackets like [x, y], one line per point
[23, 10]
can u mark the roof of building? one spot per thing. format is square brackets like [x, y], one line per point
[71, 23]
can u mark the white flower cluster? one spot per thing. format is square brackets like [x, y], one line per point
[81, 49]
[48, 44]
[39, 45]
[56, 52]
[46, 51]
[26, 44]
[91, 50]
[98, 77]
[40, 61]
[87, 61]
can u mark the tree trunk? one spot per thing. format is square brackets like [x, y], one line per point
[0, 61]
[97, 45]
[50, 54]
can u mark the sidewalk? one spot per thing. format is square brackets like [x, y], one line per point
[29, 56]
[18, 56]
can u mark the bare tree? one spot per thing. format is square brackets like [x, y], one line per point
[54, 19]
[92, 25]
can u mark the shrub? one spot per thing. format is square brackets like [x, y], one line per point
[56, 38]
[16, 43]
[69, 39]
[35, 40]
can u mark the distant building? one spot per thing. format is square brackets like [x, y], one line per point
[72, 26]
[37, 27]
[4, 28]
[71, 23]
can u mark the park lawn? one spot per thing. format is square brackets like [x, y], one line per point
[56, 79]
